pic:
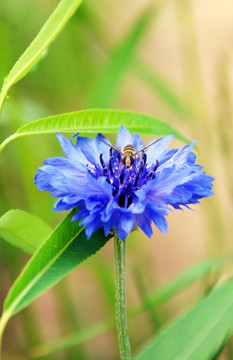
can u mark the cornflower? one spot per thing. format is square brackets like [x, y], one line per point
[119, 196]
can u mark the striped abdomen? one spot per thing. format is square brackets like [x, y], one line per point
[128, 157]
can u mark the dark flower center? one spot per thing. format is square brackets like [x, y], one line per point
[125, 180]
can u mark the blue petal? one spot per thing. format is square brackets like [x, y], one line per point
[70, 151]
[107, 227]
[102, 147]
[123, 137]
[62, 204]
[107, 211]
[89, 149]
[136, 141]
[158, 150]
[70, 165]
[160, 222]
[144, 222]
[126, 225]
[99, 187]
[81, 214]
[92, 223]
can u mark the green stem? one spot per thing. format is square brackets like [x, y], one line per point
[121, 318]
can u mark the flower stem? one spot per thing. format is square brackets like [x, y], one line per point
[121, 318]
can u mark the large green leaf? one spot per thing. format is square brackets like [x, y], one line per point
[94, 121]
[47, 34]
[180, 282]
[66, 248]
[198, 334]
[23, 230]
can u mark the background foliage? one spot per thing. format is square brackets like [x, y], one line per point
[170, 59]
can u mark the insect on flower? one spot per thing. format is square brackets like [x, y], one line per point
[128, 154]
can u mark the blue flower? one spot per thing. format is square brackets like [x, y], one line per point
[119, 196]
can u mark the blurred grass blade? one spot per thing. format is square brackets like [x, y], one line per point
[47, 34]
[106, 86]
[192, 70]
[94, 121]
[152, 314]
[199, 333]
[23, 230]
[72, 340]
[182, 281]
[66, 248]
[105, 279]
[163, 89]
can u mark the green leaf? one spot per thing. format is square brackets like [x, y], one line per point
[182, 281]
[66, 248]
[108, 82]
[47, 34]
[23, 230]
[199, 333]
[94, 121]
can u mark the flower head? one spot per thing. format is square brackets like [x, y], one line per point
[117, 194]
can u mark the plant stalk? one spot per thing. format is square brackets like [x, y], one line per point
[121, 318]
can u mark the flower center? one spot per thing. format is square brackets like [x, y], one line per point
[125, 180]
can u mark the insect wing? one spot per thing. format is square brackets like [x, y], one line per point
[110, 144]
[145, 147]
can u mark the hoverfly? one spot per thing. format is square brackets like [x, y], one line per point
[128, 154]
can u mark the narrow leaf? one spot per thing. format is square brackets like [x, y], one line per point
[66, 248]
[198, 334]
[94, 121]
[23, 230]
[47, 34]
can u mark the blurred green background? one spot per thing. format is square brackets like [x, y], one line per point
[171, 59]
